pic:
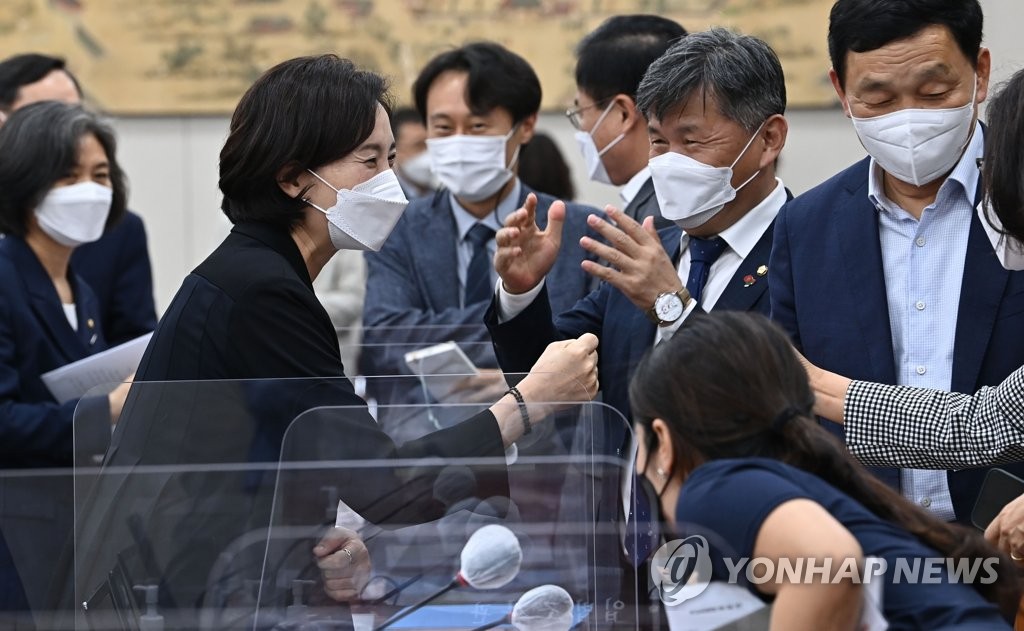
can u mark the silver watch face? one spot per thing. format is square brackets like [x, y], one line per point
[668, 307]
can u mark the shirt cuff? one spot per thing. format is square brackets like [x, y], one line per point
[666, 332]
[510, 305]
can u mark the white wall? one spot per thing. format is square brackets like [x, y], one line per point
[172, 162]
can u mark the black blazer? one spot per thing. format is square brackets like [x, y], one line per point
[248, 312]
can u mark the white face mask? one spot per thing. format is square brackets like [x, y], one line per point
[591, 155]
[365, 215]
[418, 171]
[918, 146]
[76, 214]
[690, 192]
[472, 167]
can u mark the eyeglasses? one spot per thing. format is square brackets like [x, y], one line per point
[573, 113]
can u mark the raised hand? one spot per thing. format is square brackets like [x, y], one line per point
[640, 267]
[525, 253]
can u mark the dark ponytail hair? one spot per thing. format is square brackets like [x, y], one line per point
[1002, 171]
[729, 385]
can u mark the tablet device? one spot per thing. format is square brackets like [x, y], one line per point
[999, 489]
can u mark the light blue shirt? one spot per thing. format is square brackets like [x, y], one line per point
[464, 221]
[924, 266]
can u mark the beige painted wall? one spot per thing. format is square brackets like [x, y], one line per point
[172, 162]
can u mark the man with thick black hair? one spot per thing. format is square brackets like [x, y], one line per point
[884, 272]
[612, 133]
[434, 277]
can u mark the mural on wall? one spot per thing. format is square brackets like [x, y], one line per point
[153, 57]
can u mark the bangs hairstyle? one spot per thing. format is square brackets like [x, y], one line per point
[39, 146]
[863, 25]
[497, 77]
[613, 58]
[301, 114]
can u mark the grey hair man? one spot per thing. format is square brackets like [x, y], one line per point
[714, 104]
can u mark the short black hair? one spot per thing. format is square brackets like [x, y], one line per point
[864, 25]
[301, 114]
[497, 78]
[542, 167]
[21, 70]
[613, 59]
[741, 72]
[403, 116]
[38, 147]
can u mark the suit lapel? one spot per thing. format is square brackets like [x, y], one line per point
[87, 309]
[981, 292]
[751, 280]
[644, 195]
[43, 300]
[436, 255]
[855, 229]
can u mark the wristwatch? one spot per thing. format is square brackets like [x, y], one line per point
[669, 307]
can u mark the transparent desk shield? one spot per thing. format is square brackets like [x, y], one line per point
[207, 506]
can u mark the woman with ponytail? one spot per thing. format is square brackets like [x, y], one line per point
[727, 439]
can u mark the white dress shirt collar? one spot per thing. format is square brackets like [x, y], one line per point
[632, 187]
[743, 235]
[464, 220]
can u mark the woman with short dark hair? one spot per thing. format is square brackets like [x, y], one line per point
[60, 187]
[727, 439]
[305, 172]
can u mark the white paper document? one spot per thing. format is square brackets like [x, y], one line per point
[113, 365]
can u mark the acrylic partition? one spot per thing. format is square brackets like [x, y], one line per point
[209, 506]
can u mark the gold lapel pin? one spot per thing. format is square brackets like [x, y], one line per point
[762, 270]
[90, 323]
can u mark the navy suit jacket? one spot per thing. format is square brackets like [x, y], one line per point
[36, 431]
[35, 337]
[117, 269]
[624, 331]
[413, 282]
[828, 292]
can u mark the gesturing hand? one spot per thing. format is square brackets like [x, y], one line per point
[640, 267]
[525, 253]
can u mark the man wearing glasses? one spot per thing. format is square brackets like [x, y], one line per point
[611, 132]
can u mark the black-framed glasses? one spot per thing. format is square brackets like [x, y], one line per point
[573, 113]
